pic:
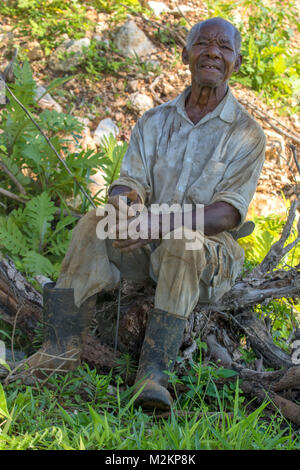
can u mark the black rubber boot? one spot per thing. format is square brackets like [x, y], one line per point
[162, 341]
[65, 328]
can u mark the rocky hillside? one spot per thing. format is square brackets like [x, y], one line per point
[123, 61]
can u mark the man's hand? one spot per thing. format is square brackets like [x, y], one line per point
[121, 202]
[139, 231]
[122, 198]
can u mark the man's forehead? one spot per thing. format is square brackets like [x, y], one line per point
[214, 29]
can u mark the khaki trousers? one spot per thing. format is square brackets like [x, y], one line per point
[183, 276]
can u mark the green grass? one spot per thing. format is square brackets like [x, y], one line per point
[85, 410]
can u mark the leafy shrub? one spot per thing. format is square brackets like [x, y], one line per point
[30, 239]
[267, 231]
[269, 63]
[37, 236]
[46, 20]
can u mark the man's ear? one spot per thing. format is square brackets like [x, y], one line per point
[185, 56]
[238, 63]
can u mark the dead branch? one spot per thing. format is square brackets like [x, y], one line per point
[6, 170]
[11, 195]
[266, 117]
[294, 153]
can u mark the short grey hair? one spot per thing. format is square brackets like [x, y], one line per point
[194, 31]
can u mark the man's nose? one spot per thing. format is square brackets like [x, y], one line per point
[213, 51]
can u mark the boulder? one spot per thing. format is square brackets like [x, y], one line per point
[68, 55]
[131, 41]
[35, 52]
[47, 102]
[104, 129]
[141, 103]
[158, 7]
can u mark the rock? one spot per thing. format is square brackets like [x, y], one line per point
[47, 102]
[158, 7]
[104, 129]
[68, 55]
[100, 27]
[182, 9]
[35, 52]
[133, 85]
[5, 38]
[131, 41]
[141, 103]
[168, 89]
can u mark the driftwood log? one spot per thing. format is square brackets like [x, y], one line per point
[221, 326]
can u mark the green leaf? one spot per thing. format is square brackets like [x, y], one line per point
[40, 212]
[3, 404]
[11, 238]
[35, 264]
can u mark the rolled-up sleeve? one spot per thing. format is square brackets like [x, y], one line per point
[240, 179]
[134, 171]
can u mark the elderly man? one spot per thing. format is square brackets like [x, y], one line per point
[201, 148]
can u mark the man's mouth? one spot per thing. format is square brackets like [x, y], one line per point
[209, 67]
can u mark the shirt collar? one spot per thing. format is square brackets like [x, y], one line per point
[226, 109]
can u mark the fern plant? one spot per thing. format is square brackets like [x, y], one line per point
[28, 236]
[37, 235]
[114, 152]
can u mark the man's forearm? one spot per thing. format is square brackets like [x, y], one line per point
[218, 217]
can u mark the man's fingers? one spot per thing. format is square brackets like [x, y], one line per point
[120, 229]
[129, 245]
[132, 195]
[123, 210]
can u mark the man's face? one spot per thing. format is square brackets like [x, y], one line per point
[212, 58]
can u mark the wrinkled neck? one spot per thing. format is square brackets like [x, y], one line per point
[203, 100]
[206, 98]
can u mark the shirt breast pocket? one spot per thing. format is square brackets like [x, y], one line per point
[203, 189]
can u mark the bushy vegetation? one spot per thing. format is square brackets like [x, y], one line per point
[270, 62]
[37, 231]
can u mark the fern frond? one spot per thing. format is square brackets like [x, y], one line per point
[11, 238]
[39, 213]
[35, 264]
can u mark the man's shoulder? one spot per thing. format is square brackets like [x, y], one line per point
[245, 122]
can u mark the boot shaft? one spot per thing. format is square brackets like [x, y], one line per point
[64, 321]
[163, 338]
